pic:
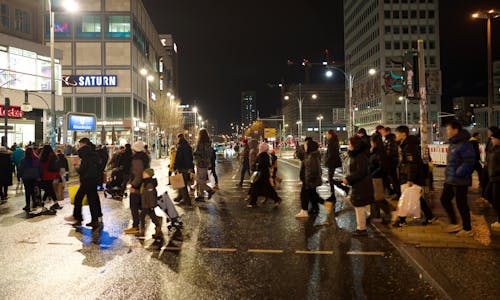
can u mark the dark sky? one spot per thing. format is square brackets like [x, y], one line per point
[229, 46]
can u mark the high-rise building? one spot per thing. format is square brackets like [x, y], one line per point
[171, 63]
[248, 107]
[376, 35]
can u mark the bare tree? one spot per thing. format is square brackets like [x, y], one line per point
[167, 117]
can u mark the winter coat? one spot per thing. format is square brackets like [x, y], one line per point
[172, 161]
[88, 169]
[333, 160]
[184, 157]
[62, 162]
[125, 162]
[252, 154]
[29, 169]
[358, 177]
[203, 154]
[244, 156]
[411, 166]
[149, 195]
[392, 152]
[6, 168]
[47, 174]
[17, 155]
[140, 162]
[366, 144]
[378, 161]
[262, 187]
[312, 170]
[494, 164]
[460, 160]
[475, 146]
[103, 158]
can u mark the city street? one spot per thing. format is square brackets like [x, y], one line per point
[225, 251]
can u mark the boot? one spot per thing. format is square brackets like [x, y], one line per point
[141, 232]
[158, 234]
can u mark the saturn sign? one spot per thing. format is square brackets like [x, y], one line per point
[89, 80]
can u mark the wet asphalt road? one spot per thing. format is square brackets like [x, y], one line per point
[225, 251]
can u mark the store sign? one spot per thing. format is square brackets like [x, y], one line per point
[89, 80]
[109, 123]
[81, 122]
[14, 112]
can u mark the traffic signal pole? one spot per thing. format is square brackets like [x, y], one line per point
[424, 135]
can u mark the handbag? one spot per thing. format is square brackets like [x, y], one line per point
[72, 190]
[378, 189]
[255, 176]
[177, 181]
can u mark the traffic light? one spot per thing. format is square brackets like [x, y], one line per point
[434, 128]
[410, 75]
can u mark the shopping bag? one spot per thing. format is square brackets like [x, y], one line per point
[59, 190]
[166, 204]
[409, 203]
[378, 189]
[177, 181]
[72, 190]
[255, 176]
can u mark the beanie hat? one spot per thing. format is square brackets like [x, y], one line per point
[150, 172]
[496, 134]
[138, 146]
[263, 147]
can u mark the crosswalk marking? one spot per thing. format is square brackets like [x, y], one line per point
[314, 252]
[372, 253]
[265, 251]
[219, 249]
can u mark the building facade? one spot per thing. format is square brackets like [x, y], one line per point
[326, 100]
[25, 64]
[376, 35]
[463, 108]
[106, 46]
[171, 63]
[248, 107]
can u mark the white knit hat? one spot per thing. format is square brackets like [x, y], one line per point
[138, 146]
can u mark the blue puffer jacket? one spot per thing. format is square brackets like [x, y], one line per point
[460, 160]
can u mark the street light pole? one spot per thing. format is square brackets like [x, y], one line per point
[320, 118]
[52, 80]
[300, 100]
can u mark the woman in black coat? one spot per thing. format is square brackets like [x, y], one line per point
[262, 186]
[360, 180]
[378, 163]
[6, 170]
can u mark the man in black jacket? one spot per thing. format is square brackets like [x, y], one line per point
[475, 140]
[184, 165]
[332, 162]
[391, 180]
[88, 171]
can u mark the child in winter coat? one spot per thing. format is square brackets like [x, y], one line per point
[149, 197]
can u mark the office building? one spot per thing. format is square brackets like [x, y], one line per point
[481, 114]
[106, 44]
[376, 34]
[463, 108]
[248, 107]
[25, 65]
[171, 63]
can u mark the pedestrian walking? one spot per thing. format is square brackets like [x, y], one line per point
[60, 182]
[149, 200]
[102, 153]
[30, 172]
[458, 178]
[332, 162]
[359, 178]
[391, 179]
[411, 170]
[244, 158]
[6, 170]
[493, 188]
[262, 184]
[89, 175]
[365, 138]
[125, 163]
[252, 154]
[213, 170]
[184, 165]
[50, 172]
[203, 160]
[17, 156]
[140, 162]
[311, 179]
[378, 162]
[488, 150]
[475, 140]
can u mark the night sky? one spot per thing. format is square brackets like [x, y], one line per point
[229, 46]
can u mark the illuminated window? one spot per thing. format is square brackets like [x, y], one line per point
[118, 26]
[4, 15]
[90, 27]
[62, 26]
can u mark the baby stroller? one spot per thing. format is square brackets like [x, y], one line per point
[166, 204]
[115, 187]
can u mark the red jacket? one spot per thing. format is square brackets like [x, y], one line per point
[46, 174]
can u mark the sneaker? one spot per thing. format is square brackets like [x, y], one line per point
[94, 224]
[495, 226]
[360, 233]
[452, 228]
[131, 230]
[302, 214]
[70, 219]
[465, 233]
[56, 206]
[26, 209]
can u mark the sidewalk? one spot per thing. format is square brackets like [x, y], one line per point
[434, 235]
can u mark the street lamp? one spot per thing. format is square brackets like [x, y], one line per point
[300, 100]
[320, 118]
[149, 78]
[350, 82]
[70, 6]
[488, 15]
[314, 96]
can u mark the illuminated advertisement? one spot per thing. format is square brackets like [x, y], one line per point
[89, 80]
[81, 122]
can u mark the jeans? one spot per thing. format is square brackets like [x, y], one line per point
[48, 187]
[310, 196]
[88, 188]
[244, 169]
[460, 193]
[331, 173]
[154, 218]
[479, 169]
[29, 191]
[3, 191]
[135, 206]
[214, 173]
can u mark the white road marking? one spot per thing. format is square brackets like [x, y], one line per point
[265, 251]
[372, 253]
[314, 252]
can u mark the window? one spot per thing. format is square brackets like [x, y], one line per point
[22, 21]
[387, 29]
[62, 26]
[387, 14]
[4, 15]
[405, 45]
[432, 60]
[118, 26]
[395, 14]
[414, 29]
[397, 46]
[430, 14]
[67, 104]
[423, 30]
[396, 30]
[89, 105]
[388, 45]
[405, 14]
[89, 27]
[431, 29]
[405, 29]
[421, 14]
[432, 45]
[117, 108]
[413, 14]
